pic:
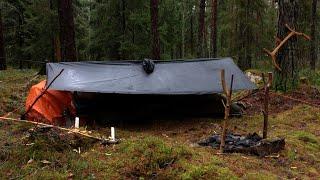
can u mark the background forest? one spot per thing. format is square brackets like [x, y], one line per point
[120, 29]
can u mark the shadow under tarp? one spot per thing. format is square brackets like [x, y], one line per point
[122, 107]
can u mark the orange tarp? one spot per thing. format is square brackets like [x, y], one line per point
[50, 107]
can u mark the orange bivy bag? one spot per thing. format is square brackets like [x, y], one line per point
[50, 107]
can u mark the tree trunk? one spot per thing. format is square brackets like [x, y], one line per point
[245, 38]
[3, 64]
[214, 18]
[287, 56]
[183, 30]
[191, 34]
[154, 29]
[313, 48]
[67, 31]
[53, 50]
[201, 33]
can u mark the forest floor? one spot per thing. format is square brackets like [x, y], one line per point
[160, 149]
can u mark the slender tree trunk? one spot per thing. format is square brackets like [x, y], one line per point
[3, 64]
[154, 29]
[183, 30]
[67, 31]
[313, 48]
[287, 55]
[20, 33]
[191, 34]
[245, 37]
[214, 18]
[53, 49]
[201, 31]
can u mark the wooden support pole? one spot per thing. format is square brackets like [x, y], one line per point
[227, 105]
[43, 92]
[265, 111]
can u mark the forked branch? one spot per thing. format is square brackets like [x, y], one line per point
[282, 43]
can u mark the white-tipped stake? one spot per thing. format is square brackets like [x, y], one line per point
[77, 122]
[113, 134]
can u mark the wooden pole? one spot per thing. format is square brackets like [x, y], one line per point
[265, 112]
[227, 105]
[43, 92]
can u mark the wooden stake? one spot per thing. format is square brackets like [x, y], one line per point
[265, 112]
[227, 105]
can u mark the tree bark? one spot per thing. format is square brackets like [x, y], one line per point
[154, 29]
[3, 64]
[287, 56]
[313, 48]
[245, 38]
[201, 32]
[191, 34]
[183, 30]
[67, 31]
[214, 18]
[53, 51]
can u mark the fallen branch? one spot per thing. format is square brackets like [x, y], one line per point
[43, 92]
[57, 127]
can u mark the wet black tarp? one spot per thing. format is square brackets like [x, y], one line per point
[201, 76]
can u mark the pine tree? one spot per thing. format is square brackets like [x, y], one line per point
[67, 30]
[314, 46]
[3, 64]
[201, 30]
[287, 56]
[154, 29]
[214, 16]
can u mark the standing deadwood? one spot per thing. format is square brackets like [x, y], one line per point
[265, 112]
[313, 48]
[154, 29]
[227, 105]
[201, 31]
[287, 57]
[3, 64]
[67, 30]
[214, 18]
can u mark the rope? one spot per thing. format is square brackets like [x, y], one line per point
[295, 99]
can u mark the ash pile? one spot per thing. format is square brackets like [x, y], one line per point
[251, 144]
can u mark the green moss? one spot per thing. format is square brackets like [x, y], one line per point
[260, 176]
[211, 170]
[310, 141]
